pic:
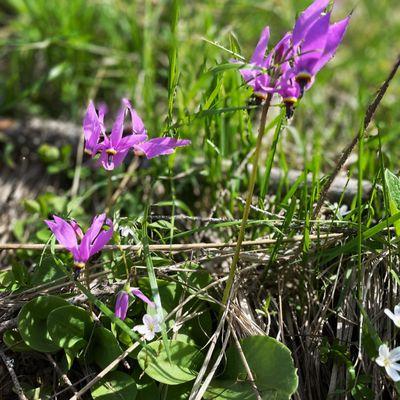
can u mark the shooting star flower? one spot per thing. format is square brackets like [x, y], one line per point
[122, 301]
[82, 246]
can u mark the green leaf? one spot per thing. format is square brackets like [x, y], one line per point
[32, 322]
[185, 363]
[105, 347]
[13, 340]
[45, 272]
[273, 369]
[115, 386]
[393, 186]
[70, 327]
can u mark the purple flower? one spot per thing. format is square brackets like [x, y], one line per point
[290, 67]
[160, 146]
[122, 301]
[113, 148]
[315, 41]
[82, 246]
[93, 128]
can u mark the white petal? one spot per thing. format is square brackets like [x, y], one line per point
[149, 335]
[142, 329]
[395, 354]
[390, 314]
[394, 375]
[148, 319]
[384, 351]
[395, 366]
[380, 361]
[397, 310]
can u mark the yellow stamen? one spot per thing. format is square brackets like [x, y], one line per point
[111, 152]
[79, 265]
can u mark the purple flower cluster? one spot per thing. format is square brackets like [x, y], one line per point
[291, 66]
[114, 148]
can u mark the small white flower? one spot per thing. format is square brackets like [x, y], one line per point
[387, 358]
[394, 317]
[126, 231]
[151, 325]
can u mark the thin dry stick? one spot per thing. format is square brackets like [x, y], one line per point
[105, 371]
[250, 376]
[174, 247]
[250, 190]
[63, 376]
[10, 367]
[348, 150]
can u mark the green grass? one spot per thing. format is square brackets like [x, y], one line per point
[55, 56]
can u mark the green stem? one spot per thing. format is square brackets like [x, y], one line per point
[109, 191]
[246, 211]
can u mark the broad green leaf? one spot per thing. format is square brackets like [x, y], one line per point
[393, 186]
[105, 347]
[13, 340]
[272, 365]
[115, 386]
[182, 366]
[70, 327]
[32, 322]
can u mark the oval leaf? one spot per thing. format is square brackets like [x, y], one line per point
[186, 361]
[32, 322]
[69, 327]
[115, 386]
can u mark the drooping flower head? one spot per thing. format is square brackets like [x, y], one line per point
[82, 246]
[290, 67]
[122, 301]
[114, 148]
[389, 360]
[315, 41]
[151, 325]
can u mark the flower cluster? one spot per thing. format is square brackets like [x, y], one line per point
[389, 358]
[291, 66]
[113, 148]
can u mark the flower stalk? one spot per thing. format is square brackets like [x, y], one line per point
[250, 190]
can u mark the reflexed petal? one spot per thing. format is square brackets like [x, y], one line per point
[335, 37]
[121, 305]
[307, 18]
[76, 228]
[92, 128]
[63, 232]
[102, 239]
[389, 314]
[138, 293]
[118, 127]
[144, 331]
[137, 124]
[127, 142]
[160, 146]
[261, 48]
[109, 163]
[393, 374]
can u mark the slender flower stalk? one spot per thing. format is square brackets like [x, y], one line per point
[250, 190]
